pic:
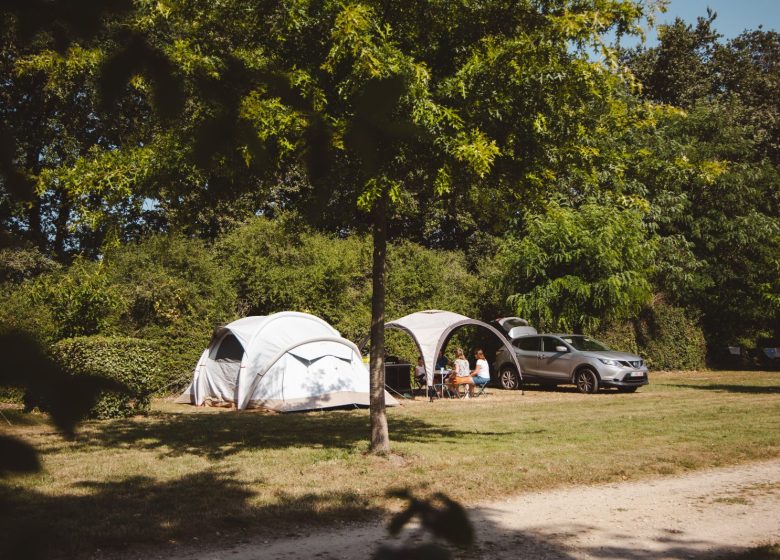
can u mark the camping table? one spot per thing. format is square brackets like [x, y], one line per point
[441, 375]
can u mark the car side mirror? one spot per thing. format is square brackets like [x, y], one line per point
[561, 349]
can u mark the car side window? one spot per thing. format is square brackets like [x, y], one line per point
[550, 343]
[529, 344]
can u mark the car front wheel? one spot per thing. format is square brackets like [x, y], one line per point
[508, 378]
[587, 381]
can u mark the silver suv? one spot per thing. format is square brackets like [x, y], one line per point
[553, 359]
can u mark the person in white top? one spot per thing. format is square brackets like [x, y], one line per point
[481, 373]
[462, 374]
[419, 372]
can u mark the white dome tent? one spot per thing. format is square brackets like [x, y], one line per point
[286, 362]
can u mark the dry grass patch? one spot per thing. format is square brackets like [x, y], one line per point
[185, 472]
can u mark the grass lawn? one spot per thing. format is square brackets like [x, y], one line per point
[214, 474]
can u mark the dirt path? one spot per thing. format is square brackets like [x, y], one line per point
[702, 514]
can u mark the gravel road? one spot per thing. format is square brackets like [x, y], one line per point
[703, 514]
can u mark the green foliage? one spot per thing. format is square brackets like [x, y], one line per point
[667, 337]
[81, 299]
[712, 176]
[173, 293]
[23, 263]
[167, 289]
[671, 338]
[716, 212]
[167, 281]
[129, 361]
[280, 265]
[577, 267]
[420, 278]
[676, 71]
[179, 349]
[619, 335]
[21, 310]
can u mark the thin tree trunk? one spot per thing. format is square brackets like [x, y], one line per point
[61, 224]
[35, 232]
[380, 437]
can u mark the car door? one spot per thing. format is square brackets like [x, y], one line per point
[527, 351]
[554, 364]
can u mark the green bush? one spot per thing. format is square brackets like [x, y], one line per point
[180, 348]
[81, 300]
[134, 363]
[174, 292]
[166, 281]
[22, 263]
[671, 338]
[280, 265]
[619, 335]
[22, 310]
[667, 337]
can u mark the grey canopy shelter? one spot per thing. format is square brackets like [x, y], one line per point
[430, 330]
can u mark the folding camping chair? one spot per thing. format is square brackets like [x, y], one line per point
[481, 388]
[419, 385]
[457, 383]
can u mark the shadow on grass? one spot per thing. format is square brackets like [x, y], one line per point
[16, 417]
[138, 511]
[725, 388]
[219, 435]
[211, 513]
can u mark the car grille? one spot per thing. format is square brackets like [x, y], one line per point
[628, 379]
[633, 363]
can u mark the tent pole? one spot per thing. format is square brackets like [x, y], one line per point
[394, 391]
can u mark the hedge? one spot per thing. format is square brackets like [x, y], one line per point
[130, 361]
[620, 336]
[667, 337]
[671, 338]
[179, 351]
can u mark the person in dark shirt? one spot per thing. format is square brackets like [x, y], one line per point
[442, 362]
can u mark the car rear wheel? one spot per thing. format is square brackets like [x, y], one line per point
[587, 381]
[508, 378]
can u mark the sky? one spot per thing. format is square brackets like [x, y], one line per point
[734, 16]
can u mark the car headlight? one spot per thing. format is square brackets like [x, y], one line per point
[609, 362]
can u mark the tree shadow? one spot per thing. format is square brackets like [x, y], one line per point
[726, 388]
[219, 435]
[139, 511]
[212, 514]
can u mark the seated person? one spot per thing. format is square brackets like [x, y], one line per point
[442, 362]
[419, 373]
[481, 373]
[461, 375]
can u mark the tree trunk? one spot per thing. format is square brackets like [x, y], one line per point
[61, 224]
[35, 231]
[380, 437]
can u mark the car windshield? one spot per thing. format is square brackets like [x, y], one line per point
[585, 343]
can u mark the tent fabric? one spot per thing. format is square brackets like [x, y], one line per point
[430, 330]
[286, 361]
